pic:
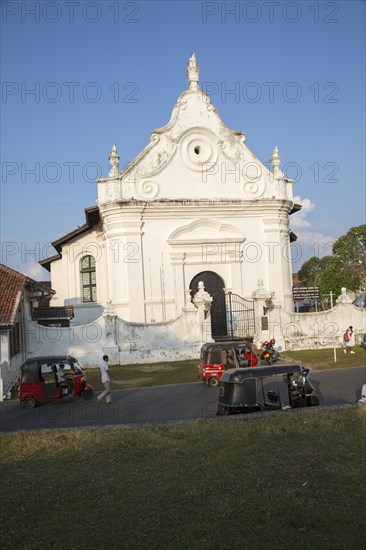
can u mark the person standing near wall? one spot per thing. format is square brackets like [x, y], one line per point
[347, 340]
[106, 381]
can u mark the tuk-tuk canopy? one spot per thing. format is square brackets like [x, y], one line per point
[31, 369]
[215, 352]
[228, 344]
[236, 376]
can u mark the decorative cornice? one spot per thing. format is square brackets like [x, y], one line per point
[262, 208]
[219, 240]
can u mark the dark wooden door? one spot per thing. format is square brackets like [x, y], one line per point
[214, 285]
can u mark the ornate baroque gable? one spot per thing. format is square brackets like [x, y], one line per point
[195, 156]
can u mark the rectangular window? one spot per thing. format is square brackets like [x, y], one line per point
[88, 279]
[264, 323]
[15, 340]
[86, 294]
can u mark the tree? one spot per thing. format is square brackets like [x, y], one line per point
[332, 279]
[311, 270]
[346, 267]
[325, 273]
[349, 254]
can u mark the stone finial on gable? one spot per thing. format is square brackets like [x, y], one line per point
[193, 73]
[114, 161]
[276, 161]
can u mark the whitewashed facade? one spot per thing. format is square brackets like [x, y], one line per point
[181, 338]
[196, 201]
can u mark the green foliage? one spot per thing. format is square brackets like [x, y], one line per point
[345, 268]
[333, 279]
[349, 254]
[311, 270]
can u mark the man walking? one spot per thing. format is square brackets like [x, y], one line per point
[106, 381]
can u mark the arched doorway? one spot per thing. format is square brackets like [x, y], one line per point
[214, 285]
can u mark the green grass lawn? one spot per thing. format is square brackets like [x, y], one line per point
[156, 374]
[322, 359]
[277, 481]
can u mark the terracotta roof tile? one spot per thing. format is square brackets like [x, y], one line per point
[12, 284]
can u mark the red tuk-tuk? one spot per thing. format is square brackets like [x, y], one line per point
[53, 377]
[216, 357]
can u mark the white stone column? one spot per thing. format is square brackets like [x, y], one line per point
[266, 305]
[278, 260]
[275, 327]
[123, 235]
[288, 302]
[132, 257]
[262, 303]
[177, 261]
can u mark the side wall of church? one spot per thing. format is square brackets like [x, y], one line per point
[66, 272]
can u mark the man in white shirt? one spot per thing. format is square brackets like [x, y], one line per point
[106, 381]
[60, 375]
[64, 384]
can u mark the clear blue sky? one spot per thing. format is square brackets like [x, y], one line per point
[78, 56]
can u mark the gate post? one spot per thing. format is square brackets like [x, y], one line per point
[262, 303]
[202, 300]
[231, 316]
[110, 346]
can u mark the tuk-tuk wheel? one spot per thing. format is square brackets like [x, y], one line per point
[29, 403]
[87, 394]
[213, 382]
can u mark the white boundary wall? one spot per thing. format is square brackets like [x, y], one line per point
[182, 338]
[124, 342]
[324, 329]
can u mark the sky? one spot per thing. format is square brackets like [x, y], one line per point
[79, 76]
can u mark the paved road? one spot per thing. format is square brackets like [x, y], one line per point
[162, 404]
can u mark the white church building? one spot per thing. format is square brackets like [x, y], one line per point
[196, 205]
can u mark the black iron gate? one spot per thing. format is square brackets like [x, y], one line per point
[232, 317]
[240, 320]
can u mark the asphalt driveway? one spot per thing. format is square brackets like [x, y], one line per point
[161, 404]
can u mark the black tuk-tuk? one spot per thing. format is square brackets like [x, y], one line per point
[249, 390]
